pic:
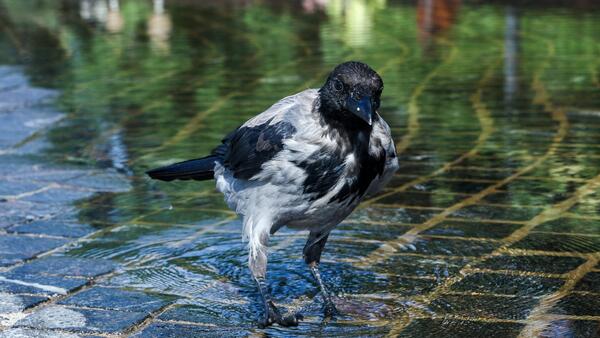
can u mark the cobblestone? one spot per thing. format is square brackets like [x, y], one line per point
[15, 248]
[33, 333]
[81, 320]
[459, 328]
[169, 330]
[67, 266]
[38, 216]
[14, 282]
[508, 285]
[116, 299]
[53, 228]
[578, 305]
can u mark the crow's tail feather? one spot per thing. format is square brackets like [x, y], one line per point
[199, 169]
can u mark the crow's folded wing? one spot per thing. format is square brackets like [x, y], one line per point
[247, 148]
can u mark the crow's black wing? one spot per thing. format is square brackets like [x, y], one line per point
[246, 149]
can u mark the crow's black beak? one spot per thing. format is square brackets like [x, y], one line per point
[361, 108]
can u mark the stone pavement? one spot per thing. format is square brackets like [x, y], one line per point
[43, 292]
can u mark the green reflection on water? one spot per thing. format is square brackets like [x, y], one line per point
[145, 85]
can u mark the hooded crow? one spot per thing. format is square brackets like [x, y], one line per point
[305, 163]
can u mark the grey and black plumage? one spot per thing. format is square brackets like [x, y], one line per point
[305, 163]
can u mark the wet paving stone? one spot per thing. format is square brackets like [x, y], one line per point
[422, 199]
[170, 330]
[547, 264]
[54, 228]
[559, 243]
[15, 248]
[590, 282]
[116, 299]
[571, 225]
[524, 198]
[477, 174]
[416, 169]
[508, 285]
[421, 266]
[497, 213]
[10, 188]
[81, 320]
[484, 306]
[33, 333]
[67, 266]
[451, 328]
[473, 229]
[207, 313]
[381, 232]
[572, 329]
[14, 212]
[451, 186]
[391, 215]
[578, 304]
[589, 208]
[58, 196]
[15, 282]
[10, 303]
[451, 247]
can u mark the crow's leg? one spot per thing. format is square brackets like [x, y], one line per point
[312, 256]
[257, 259]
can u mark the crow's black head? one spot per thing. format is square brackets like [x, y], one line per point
[351, 94]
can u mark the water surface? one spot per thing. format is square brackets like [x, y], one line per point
[490, 227]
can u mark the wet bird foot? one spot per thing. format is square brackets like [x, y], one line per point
[329, 309]
[273, 316]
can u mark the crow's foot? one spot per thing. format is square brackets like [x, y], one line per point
[273, 316]
[329, 309]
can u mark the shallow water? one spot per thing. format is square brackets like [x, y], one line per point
[491, 226]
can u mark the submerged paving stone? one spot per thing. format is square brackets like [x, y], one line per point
[560, 243]
[452, 186]
[169, 330]
[571, 225]
[508, 285]
[14, 212]
[408, 265]
[484, 306]
[23, 97]
[391, 215]
[590, 282]
[11, 188]
[58, 196]
[452, 247]
[39, 284]
[524, 198]
[473, 229]
[451, 328]
[81, 320]
[578, 304]
[422, 199]
[497, 213]
[208, 313]
[54, 228]
[116, 299]
[548, 264]
[67, 266]
[15, 248]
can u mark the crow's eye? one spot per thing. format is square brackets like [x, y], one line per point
[338, 85]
